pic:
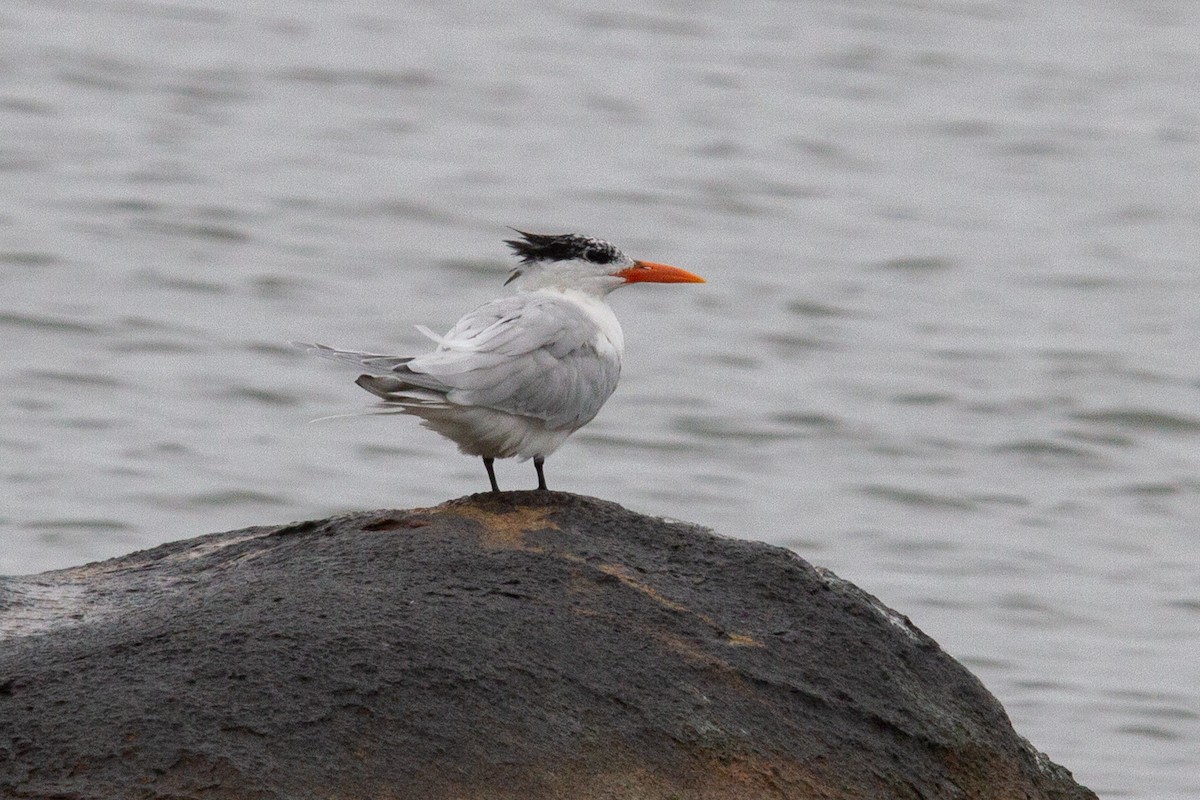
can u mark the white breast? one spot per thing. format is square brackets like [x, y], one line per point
[610, 339]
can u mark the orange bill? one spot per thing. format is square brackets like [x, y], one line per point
[650, 272]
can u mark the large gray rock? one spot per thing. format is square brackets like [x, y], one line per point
[528, 645]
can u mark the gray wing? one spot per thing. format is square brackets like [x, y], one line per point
[535, 355]
[373, 363]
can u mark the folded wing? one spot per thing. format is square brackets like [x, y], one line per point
[532, 355]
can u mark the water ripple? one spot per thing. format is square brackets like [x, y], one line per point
[57, 325]
[815, 310]
[266, 397]
[28, 258]
[82, 524]
[1142, 419]
[234, 497]
[667, 25]
[89, 379]
[727, 430]
[207, 231]
[372, 78]
[918, 498]
[916, 264]
[1045, 450]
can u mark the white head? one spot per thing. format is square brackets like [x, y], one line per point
[570, 261]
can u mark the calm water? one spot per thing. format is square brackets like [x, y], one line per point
[949, 346]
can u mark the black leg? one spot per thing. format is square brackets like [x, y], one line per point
[538, 461]
[487, 462]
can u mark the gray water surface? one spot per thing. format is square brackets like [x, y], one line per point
[948, 348]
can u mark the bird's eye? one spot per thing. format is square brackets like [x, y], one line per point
[595, 256]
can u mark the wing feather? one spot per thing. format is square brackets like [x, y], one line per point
[372, 362]
[536, 355]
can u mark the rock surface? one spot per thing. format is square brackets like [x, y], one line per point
[528, 645]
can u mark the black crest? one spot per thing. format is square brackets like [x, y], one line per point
[562, 247]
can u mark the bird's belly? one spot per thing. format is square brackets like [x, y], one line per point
[493, 434]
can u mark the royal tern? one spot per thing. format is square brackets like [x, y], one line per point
[516, 376]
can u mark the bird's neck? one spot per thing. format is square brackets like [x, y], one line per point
[598, 311]
[583, 279]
